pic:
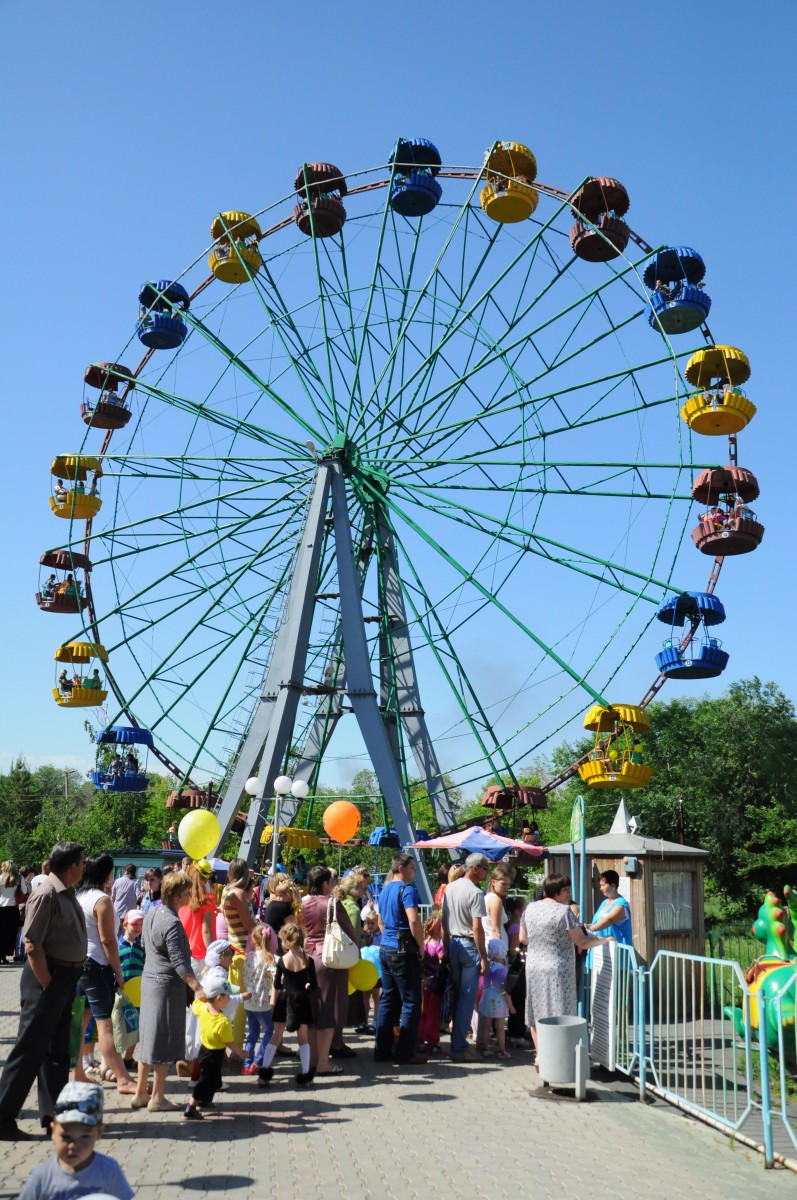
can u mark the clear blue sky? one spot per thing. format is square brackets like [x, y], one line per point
[127, 126]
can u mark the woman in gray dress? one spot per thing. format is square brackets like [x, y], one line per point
[167, 970]
[549, 930]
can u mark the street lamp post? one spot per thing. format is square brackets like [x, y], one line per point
[283, 786]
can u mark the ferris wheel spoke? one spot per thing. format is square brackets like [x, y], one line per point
[506, 348]
[176, 514]
[227, 639]
[421, 295]
[508, 404]
[494, 755]
[371, 291]
[299, 354]
[189, 563]
[488, 409]
[498, 604]
[227, 421]
[527, 539]
[320, 433]
[465, 317]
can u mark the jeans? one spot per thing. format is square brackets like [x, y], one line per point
[258, 1028]
[401, 993]
[465, 966]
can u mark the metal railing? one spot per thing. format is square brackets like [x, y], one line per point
[694, 1032]
[695, 1055]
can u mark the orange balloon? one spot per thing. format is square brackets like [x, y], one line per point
[341, 820]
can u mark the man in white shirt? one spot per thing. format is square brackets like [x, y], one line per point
[463, 938]
[37, 880]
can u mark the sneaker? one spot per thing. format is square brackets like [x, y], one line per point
[265, 1076]
[304, 1078]
[251, 1069]
[192, 1114]
[362, 1029]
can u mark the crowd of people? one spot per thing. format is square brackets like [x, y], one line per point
[170, 971]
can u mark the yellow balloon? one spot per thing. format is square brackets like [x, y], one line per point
[198, 832]
[352, 988]
[363, 975]
[132, 990]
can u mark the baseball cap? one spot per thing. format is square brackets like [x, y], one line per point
[134, 917]
[213, 985]
[80, 1102]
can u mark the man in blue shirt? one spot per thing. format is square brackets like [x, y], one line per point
[401, 952]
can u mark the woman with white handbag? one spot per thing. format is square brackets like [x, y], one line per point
[330, 940]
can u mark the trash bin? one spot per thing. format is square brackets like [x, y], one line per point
[563, 1052]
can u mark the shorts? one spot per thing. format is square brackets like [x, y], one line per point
[97, 984]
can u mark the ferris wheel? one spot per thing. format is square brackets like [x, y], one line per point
[411, 455]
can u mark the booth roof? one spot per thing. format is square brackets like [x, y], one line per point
[620, 842]
[620, 845]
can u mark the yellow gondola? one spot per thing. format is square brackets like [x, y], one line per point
[616, 759]
[719, 407]
[234, 258]
[510, 168]
[292, 839]
[76, 502]
[605, 720]
[598, 774]
[82, 690]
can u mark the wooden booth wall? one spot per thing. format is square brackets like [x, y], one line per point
[646, 941]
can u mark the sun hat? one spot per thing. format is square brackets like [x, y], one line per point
[215, 950]
[79, 1102]
[204, 868]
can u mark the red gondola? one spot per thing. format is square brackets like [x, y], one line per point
[62, 595]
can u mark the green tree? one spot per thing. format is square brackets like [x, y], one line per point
[724, 774]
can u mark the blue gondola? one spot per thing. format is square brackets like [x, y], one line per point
[160, 323]
[703, 656]
[415, 191]
[124, 773]
[674, 278]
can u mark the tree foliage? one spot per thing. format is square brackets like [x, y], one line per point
[39, 808]
[724, 775]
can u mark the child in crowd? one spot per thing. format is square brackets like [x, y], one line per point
[259, 970]
[76, 1169]
[131, 952]
[131, 958]
[432, 986]
[517, 1033]
[215, 1033]
[514, 906]
[371, 936]
[495, 1004]
[292, 999]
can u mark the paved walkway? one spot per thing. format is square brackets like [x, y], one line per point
[480, 1131]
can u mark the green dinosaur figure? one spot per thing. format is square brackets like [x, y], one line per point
[774, 974]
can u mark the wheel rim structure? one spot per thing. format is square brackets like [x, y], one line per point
[505, 430]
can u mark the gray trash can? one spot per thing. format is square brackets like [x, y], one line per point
[563, 1052]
